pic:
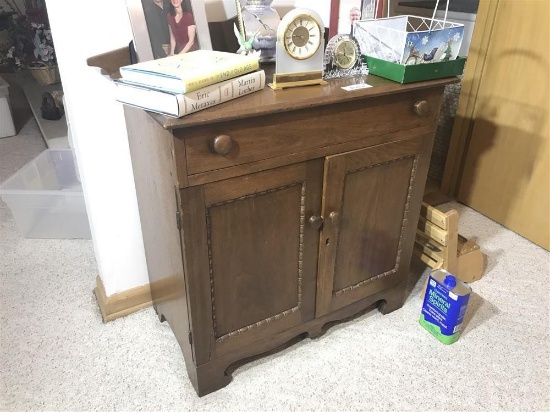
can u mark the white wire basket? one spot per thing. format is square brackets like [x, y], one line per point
[410, 39]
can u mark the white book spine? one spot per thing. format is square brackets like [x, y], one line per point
[221, 92]
[179, 104]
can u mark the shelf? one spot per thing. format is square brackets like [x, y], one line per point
[55, 132]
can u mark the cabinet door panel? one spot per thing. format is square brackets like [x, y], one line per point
[365, 204]
[260, 257]
[373, 206]
[254, 245]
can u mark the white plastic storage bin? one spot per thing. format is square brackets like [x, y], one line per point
[46, 199]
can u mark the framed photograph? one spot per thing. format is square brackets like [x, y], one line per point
[343, 14]
[165, 27]
[372, 9]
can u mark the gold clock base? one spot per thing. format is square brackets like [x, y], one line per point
[285, 81]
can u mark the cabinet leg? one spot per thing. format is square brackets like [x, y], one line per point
[316, 331]
[160, 315]
[210, 378]
[393, 300]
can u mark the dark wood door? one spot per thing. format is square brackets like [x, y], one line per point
[366, 198]
[251, 256]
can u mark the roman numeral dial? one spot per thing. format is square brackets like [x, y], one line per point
[345, 54]
[302, 37]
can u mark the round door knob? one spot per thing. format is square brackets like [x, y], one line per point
[422, 108]
[316, 222]
[222, 144]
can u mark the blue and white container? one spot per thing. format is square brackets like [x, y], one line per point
[444, 306]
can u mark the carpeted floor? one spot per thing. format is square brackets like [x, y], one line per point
[57, 355]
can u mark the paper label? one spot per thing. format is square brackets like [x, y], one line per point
[444, 308]
[356, 87]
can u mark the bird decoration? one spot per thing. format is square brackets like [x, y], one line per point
[245, 45]
[428, 57]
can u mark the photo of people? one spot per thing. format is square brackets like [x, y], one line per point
[171, 26]
[354, 16]
[349, 13]
[155, 12]
[369, 9]
[182, 27]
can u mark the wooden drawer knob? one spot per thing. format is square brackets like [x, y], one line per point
[422, 108]
[315, 222]
[222, 144]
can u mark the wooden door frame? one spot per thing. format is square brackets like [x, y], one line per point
[467, 104]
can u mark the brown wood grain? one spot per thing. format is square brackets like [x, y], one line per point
[262, 255]
[291, 158]
[195, 252]
[333, 188]
[155, 181]
[214, 375]
[261, 138]
[371, 195]
[267, 101]
[247, 272]
[111, 61]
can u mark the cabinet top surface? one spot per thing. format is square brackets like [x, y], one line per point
[268, 101]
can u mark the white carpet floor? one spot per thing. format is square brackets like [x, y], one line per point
[57, 355]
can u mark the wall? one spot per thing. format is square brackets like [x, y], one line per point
[463, 12]
[99, 132]
[220, 10]
[99, 137]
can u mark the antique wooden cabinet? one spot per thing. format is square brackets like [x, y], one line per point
[269, 216]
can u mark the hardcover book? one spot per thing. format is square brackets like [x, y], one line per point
[179, 104]
[191, 71]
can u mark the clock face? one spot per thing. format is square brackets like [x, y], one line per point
[345, 54]
[342, 58]
[302, 37]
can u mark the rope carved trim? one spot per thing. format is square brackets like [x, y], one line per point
[403, 224]
[300, 261]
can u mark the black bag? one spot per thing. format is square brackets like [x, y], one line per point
[51, 109]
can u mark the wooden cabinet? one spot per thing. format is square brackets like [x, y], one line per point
[255, 252]
[270, 216]
[366, 202]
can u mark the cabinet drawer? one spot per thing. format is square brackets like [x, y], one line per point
[238, 142]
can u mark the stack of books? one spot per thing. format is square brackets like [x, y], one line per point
[182, 84]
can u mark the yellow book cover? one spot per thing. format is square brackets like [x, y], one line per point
[187, 72]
